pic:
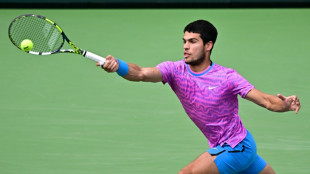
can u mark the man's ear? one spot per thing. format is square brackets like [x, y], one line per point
[208, 46]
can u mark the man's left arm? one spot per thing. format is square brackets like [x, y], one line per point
[274, 103]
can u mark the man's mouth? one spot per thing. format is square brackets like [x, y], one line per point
[186, 55]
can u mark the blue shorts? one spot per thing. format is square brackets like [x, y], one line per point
[241, 159]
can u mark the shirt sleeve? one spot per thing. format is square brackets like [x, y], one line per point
[166, 69]
[239, 85]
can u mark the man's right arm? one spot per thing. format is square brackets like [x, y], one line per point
[135, 72]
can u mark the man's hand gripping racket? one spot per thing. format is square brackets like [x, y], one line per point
[44, 37]
[111, 64]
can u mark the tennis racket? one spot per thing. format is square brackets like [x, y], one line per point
[47, 37]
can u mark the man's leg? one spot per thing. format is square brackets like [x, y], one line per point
[267, 170]
[203, 164]
[259, 166]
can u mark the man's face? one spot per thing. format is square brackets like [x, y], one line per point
[194, 49]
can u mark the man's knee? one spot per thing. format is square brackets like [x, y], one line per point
[181, 172]
[267, 170]
[184, 172]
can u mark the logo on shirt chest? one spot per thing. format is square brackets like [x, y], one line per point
[212, 87]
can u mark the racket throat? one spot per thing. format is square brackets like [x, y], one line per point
[83, 52]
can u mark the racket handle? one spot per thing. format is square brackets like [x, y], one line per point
[94, 57]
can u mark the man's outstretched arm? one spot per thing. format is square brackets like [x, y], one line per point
[274, 103]
[133, 72]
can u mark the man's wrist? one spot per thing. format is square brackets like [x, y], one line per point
[123, 68]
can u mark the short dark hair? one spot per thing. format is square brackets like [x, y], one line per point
[206, 30]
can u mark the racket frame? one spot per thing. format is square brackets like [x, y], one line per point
[75, 49]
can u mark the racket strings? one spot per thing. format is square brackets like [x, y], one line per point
[44, 35]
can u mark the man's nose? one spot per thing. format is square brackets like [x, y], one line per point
[186, 46]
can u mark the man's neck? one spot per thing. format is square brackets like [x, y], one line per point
[202, 66]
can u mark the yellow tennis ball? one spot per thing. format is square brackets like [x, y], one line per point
[26, 45]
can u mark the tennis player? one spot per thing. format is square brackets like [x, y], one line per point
[208, 93]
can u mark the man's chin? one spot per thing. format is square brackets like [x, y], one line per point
[193, 62]
[190, 62]
[187, 61]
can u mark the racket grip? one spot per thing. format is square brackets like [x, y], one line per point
[94, 57]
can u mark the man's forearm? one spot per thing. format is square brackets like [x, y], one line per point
[135, 73]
